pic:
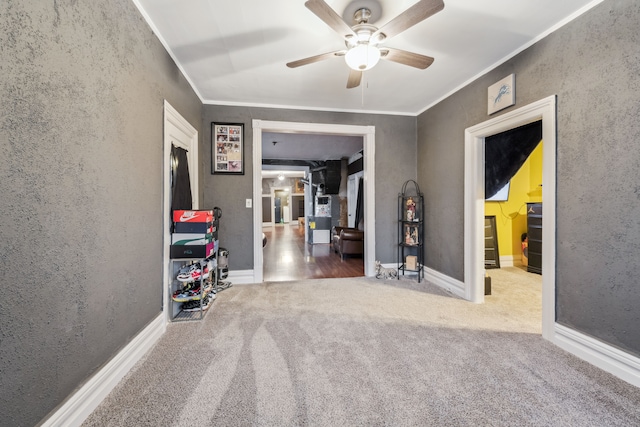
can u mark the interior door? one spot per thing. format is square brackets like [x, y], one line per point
[278, 208]
[352, 198]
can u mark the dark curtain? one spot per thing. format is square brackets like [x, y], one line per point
[360, 203]
[180, 183]
[506, 152]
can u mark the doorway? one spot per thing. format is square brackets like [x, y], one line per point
[544, 110]
[281, 205]
[368, 135]
[179, 133]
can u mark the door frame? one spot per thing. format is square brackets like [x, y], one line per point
[368, 135]
[544, 110]
[273, 203]
[173, 122]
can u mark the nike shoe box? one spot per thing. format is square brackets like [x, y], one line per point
[192, 251]
[180, 216]
[191, 238]
[196, 227]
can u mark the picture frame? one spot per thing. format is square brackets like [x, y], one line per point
[501, 94]
[227, 148]
[411, 235]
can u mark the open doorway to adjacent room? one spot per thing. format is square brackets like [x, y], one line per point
[475, 137]
[303, 188]
[513, 168]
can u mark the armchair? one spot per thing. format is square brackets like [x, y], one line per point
[347, 241]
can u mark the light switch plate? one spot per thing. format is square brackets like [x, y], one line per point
[248, 203]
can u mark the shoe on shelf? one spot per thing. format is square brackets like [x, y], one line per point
[191, 306]
[192, 274]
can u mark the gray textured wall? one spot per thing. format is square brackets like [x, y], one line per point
[593, 65]
[82, 86]
[395, 163]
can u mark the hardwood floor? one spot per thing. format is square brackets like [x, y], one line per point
[287, 257]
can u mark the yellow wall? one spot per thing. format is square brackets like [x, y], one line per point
[511, 216]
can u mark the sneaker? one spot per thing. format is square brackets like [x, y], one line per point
[207, 302]
[192, 274]
[205, 271]
[191, 306]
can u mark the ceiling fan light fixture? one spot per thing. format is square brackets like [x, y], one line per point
[362, 57]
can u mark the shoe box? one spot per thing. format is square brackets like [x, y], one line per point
[191, 238]
[195, 234]
[180, 216]
[195, 227]
[192, 251]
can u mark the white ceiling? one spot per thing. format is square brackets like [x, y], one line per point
[234, 51]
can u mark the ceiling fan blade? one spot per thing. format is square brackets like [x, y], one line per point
[410, 17]
[323, 11]
[407, 58]
[354, 79]
[317, 58]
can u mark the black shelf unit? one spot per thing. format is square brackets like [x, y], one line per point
[411, 230]
[534, 234]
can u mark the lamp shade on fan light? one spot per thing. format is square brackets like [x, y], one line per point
[362, 57]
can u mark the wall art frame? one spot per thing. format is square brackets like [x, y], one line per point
[501, 94]
[227, 148]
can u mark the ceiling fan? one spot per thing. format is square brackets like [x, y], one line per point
[364, 41]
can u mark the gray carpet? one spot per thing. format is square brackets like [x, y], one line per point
[350, 352]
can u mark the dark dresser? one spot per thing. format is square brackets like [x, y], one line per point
[534, 234]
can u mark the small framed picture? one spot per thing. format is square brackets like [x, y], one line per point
[502, 94]
[411, 235]
[227, 148]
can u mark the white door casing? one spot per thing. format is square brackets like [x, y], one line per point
[544, 110]
[368, 135]
[178, 132]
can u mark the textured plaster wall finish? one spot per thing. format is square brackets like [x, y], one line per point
[395, 163]
[82, 86]
[593, 65]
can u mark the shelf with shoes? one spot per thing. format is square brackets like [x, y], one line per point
[193, 287]
[193, 270]
[410, 255]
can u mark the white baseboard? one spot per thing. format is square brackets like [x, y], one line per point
[241, 277]
[506, 261]
[613, 360]
[450, 284]
[82, 403]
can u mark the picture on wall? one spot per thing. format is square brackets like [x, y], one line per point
[502, 94]
[227, 148]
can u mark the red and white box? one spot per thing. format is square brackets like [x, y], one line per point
[192, 216]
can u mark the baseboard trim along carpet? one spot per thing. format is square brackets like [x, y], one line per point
[241, 277]
[615, 361]
[447, 283]
[82, 403]
[506, 261]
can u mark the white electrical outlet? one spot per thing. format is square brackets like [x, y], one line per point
[248, 203]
